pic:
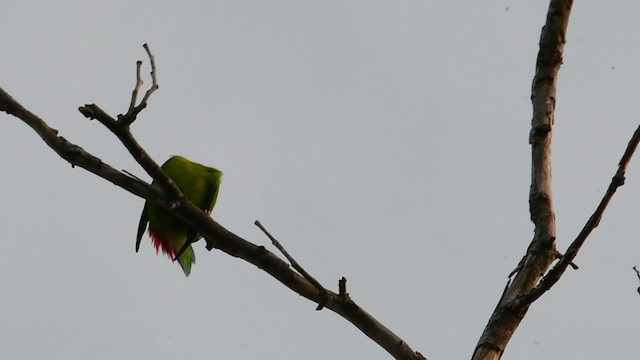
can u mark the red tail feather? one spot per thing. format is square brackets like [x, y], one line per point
[161, 244]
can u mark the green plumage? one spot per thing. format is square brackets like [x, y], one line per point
[169, 233]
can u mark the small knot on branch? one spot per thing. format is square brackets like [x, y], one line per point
[342, 290]
[618, 179]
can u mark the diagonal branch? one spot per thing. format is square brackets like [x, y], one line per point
[169, 197]
[321, 289]
[618, 179]
[75, 154]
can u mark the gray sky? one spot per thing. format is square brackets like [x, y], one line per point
[381, 141]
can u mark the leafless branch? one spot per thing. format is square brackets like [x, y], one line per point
[216, 236]
[556, 272]
[542, 250]
[322, 291]
[128, 118]
[638, 275]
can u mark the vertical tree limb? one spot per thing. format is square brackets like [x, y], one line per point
[541, 252]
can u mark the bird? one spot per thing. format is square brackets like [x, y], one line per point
[169, 234]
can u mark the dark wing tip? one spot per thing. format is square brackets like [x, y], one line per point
[142, 226]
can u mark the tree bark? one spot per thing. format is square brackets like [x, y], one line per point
[542, 250]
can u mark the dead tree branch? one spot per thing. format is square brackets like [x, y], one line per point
[558, 269]
[298, 267]
[542, 250]
[529, 283]
[216, 236]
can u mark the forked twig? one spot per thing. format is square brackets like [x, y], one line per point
[128, 118]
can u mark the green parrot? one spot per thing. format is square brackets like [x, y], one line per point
[168, 232]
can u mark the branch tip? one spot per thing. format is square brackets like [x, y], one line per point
[128, 118]
[322, 292]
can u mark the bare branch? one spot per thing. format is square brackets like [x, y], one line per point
[154, 72]
[169, 197]
[322, 291]
[133, 111]
[121, 128]
[75, 154]
[542, 250]
[638, 275]
[134, 93]
[618, 179]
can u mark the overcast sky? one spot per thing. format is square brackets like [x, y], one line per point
[383, 141]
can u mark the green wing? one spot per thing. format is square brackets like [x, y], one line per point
[200, 185]
[203, 193]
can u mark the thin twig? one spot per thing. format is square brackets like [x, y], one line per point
[133, 111]
[121, 128]
[323, 292]
[618, 179]
[638, 275]
[130, 174]
[154, 81]
[134, 93]
[573, 265]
